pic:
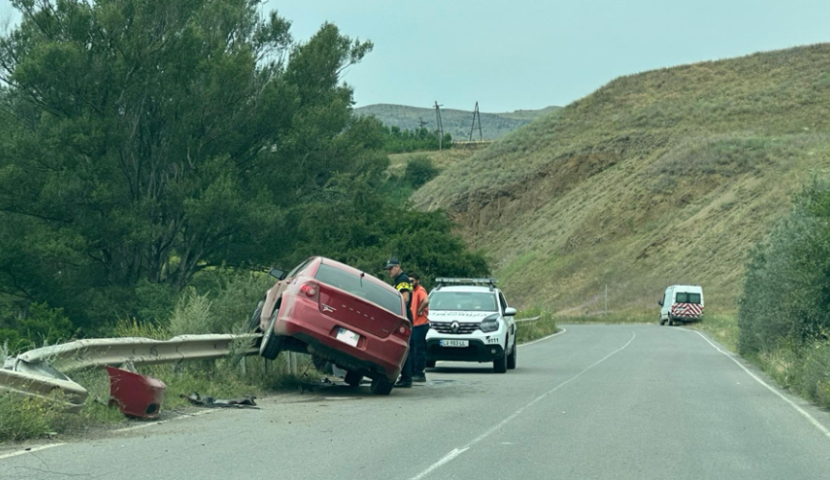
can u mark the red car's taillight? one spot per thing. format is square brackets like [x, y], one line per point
[310, 290]
[402, 331]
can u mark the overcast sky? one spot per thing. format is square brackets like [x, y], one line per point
[523, 54]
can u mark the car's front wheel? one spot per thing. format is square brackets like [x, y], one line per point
[430, 363]
[271, 342]
[382, 386]
[500, 364]
[511, 359]
[253, 323]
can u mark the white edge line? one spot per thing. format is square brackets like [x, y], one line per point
[162, 422]
[780, 395]
[31, 450]
[120, 430]
[456, 452]
[543, 338]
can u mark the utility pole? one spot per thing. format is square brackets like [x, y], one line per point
[440, 125]
[476, 115]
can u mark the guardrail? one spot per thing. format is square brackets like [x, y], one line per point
[531, 319]
[32, 374]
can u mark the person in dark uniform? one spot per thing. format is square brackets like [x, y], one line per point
[403, 285]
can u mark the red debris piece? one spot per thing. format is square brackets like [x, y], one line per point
[137, 396]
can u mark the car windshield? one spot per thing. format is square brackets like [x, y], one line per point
[685, 297]
[359, 287]
[485, 302]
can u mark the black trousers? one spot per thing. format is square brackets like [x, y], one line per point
[416, 360]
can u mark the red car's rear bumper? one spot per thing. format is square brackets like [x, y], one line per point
[302, 319]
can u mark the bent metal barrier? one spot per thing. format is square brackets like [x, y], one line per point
[32, 374]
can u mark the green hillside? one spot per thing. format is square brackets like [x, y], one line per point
[456, 122]
[664, 177]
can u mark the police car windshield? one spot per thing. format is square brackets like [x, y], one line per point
[477, 301]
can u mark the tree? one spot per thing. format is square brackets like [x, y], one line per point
[147, 141]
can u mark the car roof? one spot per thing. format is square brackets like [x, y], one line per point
[689, 288]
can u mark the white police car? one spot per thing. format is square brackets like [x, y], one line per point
[470, 322]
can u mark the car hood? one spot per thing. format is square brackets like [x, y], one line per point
[461, 316]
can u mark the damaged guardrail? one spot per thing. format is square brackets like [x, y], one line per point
[32, 374]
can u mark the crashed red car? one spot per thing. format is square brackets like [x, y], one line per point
[338, 313]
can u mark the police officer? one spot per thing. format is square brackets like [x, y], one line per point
[404, 286]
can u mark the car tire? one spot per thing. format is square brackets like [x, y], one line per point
[671, 321]
[271, 343]
[382, 386]
[511, 359]
[662, 322]
[500, 364]
[430, 363]
[353, 379]
[253, 323]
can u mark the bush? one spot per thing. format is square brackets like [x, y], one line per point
[419, 171]
[786, 297]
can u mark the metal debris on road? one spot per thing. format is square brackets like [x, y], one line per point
[248, 401]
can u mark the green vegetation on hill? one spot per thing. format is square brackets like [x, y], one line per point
[456, 122]
[664, 177]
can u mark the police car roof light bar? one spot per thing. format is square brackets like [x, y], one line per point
[466, 281]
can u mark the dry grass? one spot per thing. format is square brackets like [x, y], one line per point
[659, 178]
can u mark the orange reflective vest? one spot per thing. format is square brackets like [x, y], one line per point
[418, 296]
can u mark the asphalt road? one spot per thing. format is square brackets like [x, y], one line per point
[597, 402]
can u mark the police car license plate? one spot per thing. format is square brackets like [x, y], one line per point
[454, 343]
[348, 337]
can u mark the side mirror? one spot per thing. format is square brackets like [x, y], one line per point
[509, 312]
[660, 302]
[277, 273]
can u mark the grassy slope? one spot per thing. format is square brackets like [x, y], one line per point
[663, 177]
[456, 122]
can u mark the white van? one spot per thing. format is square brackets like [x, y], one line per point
[681, 303]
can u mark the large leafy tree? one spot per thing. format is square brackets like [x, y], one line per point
[146, 140]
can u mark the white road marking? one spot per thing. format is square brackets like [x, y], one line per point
[439, 463]
[780, 395]
[544, 338]
[120, 430]
[31, 450]
[456, 452]
[162, 422]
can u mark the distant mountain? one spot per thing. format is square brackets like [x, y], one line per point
[456, 122]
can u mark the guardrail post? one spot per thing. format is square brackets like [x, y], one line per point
[292, 363]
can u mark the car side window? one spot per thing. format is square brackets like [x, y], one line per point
[502, 302]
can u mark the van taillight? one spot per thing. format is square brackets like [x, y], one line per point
[402, 331]
[310, 290]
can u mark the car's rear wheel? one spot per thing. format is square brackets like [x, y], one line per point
[353, 379]
[430, 363]
[671, 321]
[271, 342]
[382, 386]
[253, 323]
[662, 322]
[511, 359]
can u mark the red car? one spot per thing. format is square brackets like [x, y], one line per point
[338, 313]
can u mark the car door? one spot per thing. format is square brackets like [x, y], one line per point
[668, 299]
[511, 323]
